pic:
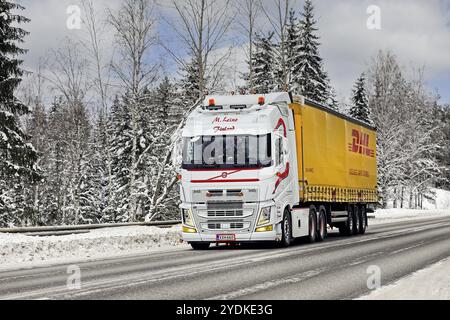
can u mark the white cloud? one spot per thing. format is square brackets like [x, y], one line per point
[417, 31]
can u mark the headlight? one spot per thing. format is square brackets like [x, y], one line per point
[264, 216]
[187, 217]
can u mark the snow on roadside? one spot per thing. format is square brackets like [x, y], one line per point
[396, 215]
[441, 202]
[20, 251]
[432, 283]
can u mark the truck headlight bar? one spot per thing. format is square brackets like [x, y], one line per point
[187, 217]
[264, 216]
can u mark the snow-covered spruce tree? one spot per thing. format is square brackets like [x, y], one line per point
[100, 172]
[120, 149]
[333, 101]
[37, 128]
[360, 109]
[311, 80]
[264, 79]
[294, 37]
[189, 86]
[167, 103]
[17, 157]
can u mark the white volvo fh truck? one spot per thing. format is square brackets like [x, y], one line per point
[273, 168]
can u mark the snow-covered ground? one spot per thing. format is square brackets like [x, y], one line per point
[442, 201]
[22, 251]
[432, 283]
[395, 215]
[440, 206]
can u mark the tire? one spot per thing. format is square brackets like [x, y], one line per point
[286, 228]
[200, 245]
[357, 219]
[312, 225]
[322, 224]
[349, 226]
[363, 219]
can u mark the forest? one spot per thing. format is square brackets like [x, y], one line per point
[89, 136]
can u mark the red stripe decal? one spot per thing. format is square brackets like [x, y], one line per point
[281, 123]
[223, 170]
[281, 177]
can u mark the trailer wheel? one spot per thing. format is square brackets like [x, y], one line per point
[286, 238]
[357, 219]
[348, 228]
[363, 219]
[199, 245]
[322, 224]
[312, 235]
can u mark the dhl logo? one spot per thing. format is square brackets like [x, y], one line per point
[360, 144]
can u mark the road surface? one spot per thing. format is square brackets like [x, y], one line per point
[334, 269]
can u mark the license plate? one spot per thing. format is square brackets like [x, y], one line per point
[225, 237]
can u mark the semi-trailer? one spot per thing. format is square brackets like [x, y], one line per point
[274, 167]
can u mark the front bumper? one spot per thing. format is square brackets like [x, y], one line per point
[240, 237]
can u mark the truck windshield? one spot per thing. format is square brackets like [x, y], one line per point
[223, 152]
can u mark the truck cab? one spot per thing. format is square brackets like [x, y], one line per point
[239, 176]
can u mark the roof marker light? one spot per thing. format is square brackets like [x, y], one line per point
[212, 102]
[261, 101]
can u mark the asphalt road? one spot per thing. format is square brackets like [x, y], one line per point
[335, 269]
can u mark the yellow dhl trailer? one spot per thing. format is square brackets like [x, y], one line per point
[336, 155]
[274, 168]
[337, 165]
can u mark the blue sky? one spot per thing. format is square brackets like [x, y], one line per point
[417, 31]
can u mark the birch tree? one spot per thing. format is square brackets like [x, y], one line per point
[134, 25]
[248, 13]
[278, 17]
[202, 26]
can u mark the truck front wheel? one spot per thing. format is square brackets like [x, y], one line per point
[286, 238]
[199, 245]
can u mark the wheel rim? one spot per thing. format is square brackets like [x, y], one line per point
[322, 226]
[364, 222]
[350, 221]
[286, 229]
[312, 226]
[357, 221]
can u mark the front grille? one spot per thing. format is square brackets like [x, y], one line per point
[214, 206]
[225, 213]
[224, 209]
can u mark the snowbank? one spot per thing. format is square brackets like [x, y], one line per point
[22, 251]
[442, 201]
[432, 283]
[395, 215]
[18, 250]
